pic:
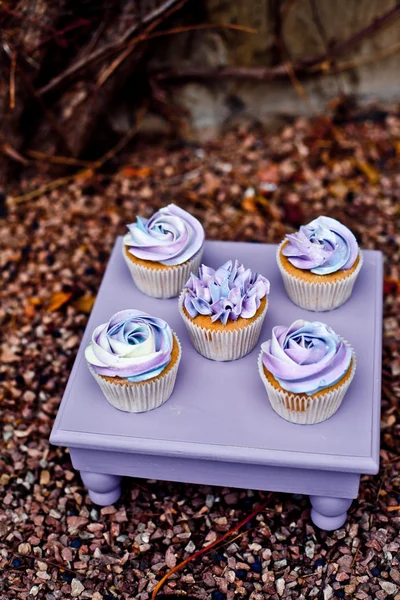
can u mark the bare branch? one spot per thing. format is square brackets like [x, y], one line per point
[269, 73]
[107, 48]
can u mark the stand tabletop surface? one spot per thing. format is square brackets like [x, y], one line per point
[220, 411]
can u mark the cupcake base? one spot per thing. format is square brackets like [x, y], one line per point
[157, 280]
[300, 408]
[144, 395]
[317, 295]
[224, 345]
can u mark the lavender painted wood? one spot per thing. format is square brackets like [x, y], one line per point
[218, 426]
[227, 474]
[329, 513]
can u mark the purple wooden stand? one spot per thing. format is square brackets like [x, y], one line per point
[218, 427]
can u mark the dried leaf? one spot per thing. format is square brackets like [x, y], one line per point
[369, 171]
[85, 174]
[269, 174]
[58, 300]
[85, 303]
[391, 286]
[35, 301]
[339, 189]
[130, 172]
[44, 477]
[249, 204]
[29, 310]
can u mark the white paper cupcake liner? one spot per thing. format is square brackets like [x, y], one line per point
[318, 296]
[162, 283]
[223, 345]
[307, 411]
[140, 397]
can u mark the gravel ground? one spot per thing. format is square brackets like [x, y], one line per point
[249, 186]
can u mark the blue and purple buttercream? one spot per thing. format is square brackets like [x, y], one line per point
[171, 236]
[323, 246]
[225, 294]
[306, 357]
[132, 345]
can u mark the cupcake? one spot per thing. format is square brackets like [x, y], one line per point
[306, 369]
[162, 252]
[134, 358]
[320, 264]
[224, 310]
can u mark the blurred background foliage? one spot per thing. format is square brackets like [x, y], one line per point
[78, 79]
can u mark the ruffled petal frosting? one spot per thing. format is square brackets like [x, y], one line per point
[132, 345]
[306, 357]
[225, 294]
[323, 246]
[171, 236]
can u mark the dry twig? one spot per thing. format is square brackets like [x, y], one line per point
[353, 562]
[305, 66]
[94, 166]
[58, 34]
[363, 60]
[120, 59]
[208, 548]
[12, 80]
[45, 560]
[7, 149]
[96, 55]
[22, 17]
[200, 27]
[145, 37]
[60, 160]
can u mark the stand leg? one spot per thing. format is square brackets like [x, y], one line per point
[329, 513]
[103, 489]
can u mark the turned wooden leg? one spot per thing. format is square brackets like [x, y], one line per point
[329, 513]
[103, 489]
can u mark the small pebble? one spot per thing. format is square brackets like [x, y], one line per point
[388, 587]
[280, 586]
[190, 547]
[24, 548]
[76, 588]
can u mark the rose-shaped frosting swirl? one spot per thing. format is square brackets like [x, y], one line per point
[171, 236]
[226, 294]
[132, 345]
[323, 246]
[306, 357]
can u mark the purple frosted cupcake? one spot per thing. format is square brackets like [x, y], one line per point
[306, 369]
[320, 264]
[224, 310]
[162, 252]
[134, 358]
